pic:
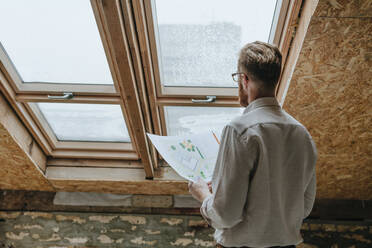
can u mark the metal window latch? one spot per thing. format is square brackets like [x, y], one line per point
[66, 95]
[208, 100]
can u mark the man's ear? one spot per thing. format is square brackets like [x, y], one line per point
[245, 82]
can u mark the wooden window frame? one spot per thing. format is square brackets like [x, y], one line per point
[118, 150]
[127, 32]
[26, 93]
[185, 102]
[33, 88]
[161, 96]
[22, 95]
[276, 32]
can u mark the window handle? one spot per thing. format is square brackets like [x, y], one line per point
[67, 95]
[208, 100]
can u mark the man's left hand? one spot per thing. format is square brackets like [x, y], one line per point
[199, 190]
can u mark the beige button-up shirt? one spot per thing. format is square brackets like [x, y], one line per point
[264, 181]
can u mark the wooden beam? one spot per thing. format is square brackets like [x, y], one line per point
[102, 163]
[151, 27]
[76, 99]
[289, 26]
[279, 21]
[147, 63]
[295, 48]
[7, 88]
[7, 67]
[9, 120]
[125, 74]
[183, 91]
[94, 154]
[163, 121]
[144, 97]
[57, 88]
[42, 124]
[97, 146]
[110, 174]
[116, 180]
[187, 102]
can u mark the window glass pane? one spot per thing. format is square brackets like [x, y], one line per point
[53, 41]
[192, 120]
[200, 40]
[85, 122]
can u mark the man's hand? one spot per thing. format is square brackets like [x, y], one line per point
[210, 186]
[199, 190]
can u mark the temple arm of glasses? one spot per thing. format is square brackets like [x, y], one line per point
[208, 100]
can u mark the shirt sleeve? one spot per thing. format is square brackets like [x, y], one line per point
[230, 182]
[310, 189]
[310, 193]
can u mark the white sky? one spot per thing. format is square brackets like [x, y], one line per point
[88, 122]
[254, 16]
[53, 41]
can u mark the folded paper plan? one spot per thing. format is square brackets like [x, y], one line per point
[192, 156]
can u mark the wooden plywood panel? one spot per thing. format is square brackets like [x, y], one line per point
[344, 8]
[330, 93]
[116, 180]
[18, 169]
[147, 187]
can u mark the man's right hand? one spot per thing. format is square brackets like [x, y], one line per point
[210, 186]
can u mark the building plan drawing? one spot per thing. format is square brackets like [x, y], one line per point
[192, 156]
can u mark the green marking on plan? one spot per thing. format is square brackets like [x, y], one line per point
[202, 174]
[173, 147]
[201, 155]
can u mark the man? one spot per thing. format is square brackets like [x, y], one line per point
[264, 182]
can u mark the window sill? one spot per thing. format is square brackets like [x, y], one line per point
[116, 180]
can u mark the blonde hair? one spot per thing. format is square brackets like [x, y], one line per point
[262, 63]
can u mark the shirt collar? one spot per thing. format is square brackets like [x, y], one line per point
[261, 102]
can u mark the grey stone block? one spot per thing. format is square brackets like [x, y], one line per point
[152, 201]
[92, 199]
[185, 201]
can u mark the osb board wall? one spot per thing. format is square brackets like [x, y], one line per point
[117, 187]
[331, 94]
[116, 180]
[17, 169]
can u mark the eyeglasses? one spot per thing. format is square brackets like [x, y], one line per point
[237, 76]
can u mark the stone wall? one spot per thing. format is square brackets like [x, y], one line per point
[44, 229]
[64, 229]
